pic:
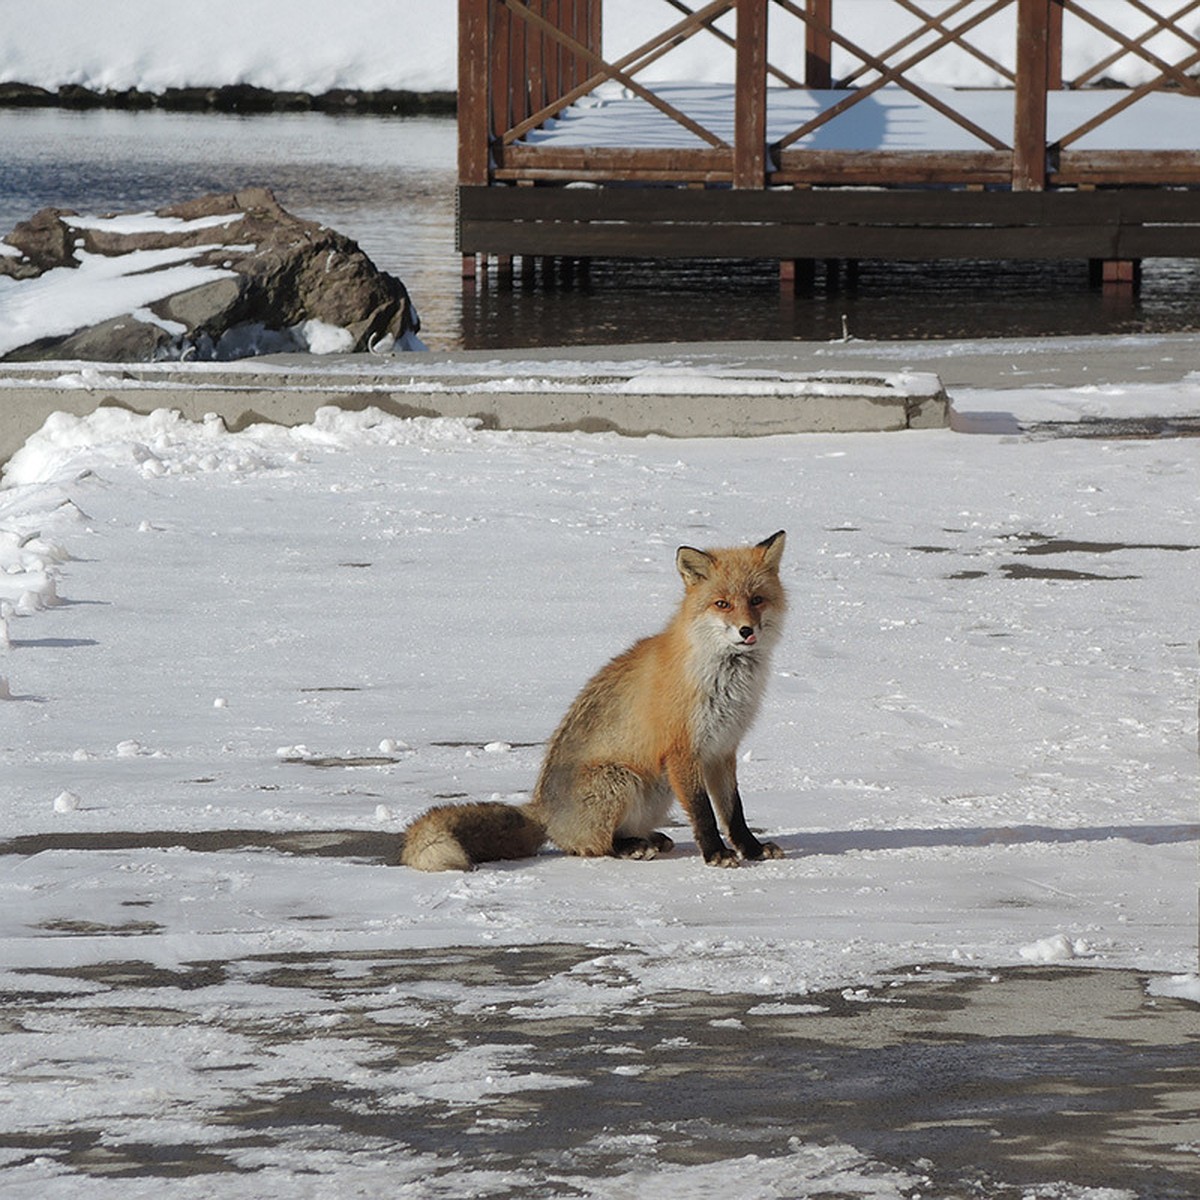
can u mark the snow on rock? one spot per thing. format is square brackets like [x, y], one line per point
[221, 277]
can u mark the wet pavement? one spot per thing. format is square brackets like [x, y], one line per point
[974, 1083]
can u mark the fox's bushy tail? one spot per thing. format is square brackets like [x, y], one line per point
[455, 837]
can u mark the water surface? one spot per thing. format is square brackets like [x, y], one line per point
[388, 182]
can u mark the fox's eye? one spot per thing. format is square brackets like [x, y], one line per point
[757, 601]
[722, 604]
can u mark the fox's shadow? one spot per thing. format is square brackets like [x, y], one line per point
[846, 841]
[385, 847]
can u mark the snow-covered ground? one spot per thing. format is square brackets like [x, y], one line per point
[981, 732]
[979, 746]
[412, 43]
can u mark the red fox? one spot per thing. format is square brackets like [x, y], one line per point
[661, 721]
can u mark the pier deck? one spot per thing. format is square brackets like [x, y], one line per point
[563, 151]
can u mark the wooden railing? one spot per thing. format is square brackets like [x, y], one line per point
[521, 62]
[518, 64]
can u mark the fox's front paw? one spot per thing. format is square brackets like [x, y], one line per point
[722, 858]
[760, 850]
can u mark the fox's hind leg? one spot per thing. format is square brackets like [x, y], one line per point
[636, 836]
[651, 846]
[610, 810]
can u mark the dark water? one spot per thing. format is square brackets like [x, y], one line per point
[389, 183]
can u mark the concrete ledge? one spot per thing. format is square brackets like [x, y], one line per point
[637, 400]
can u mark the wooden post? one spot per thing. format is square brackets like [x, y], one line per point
[796, 275]
[536, 49]
[595, 27]
[1054, 47]
[474, 99]
[1029, 124]
[518, 69]
[501, 69]
[750, 96]
[1117, 274]
[818, 47]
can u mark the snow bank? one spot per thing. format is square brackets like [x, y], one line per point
[164, 443]
[412, 44]
[134, 43]
[29, 562]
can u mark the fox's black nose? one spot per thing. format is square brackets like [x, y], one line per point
[746, 630]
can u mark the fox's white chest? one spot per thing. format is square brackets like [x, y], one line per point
[730, 690]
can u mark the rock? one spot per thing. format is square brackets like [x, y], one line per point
[223, 276]
[75, 95]
[25, 95]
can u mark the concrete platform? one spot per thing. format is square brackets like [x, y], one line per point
[716, 389]
[665, 394]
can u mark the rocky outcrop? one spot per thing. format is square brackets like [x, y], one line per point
[236, 97]
[223, 277]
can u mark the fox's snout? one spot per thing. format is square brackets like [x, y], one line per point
[737, 630]
[741, 635]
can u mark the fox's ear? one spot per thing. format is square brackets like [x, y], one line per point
[772, 549]
[694, 565]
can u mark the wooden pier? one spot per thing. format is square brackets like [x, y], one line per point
[775, 166]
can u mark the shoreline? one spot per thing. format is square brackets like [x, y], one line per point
[243, 98]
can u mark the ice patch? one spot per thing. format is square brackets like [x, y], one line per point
[1181, 987]
[474, 1075]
